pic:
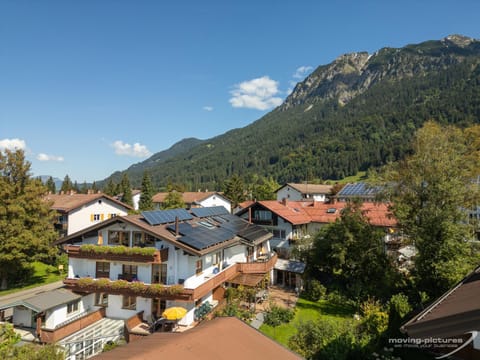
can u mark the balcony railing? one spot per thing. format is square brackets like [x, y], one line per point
[53, 335]
[169, 292]
[117, 253]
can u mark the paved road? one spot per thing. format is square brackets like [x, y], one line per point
[25, 294]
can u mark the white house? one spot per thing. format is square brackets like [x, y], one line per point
[125, 271]
[79, 211]
[197, 199]
[298, 192]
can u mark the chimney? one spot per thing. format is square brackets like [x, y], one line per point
[250, 215]
[284, 201]
[177, 231]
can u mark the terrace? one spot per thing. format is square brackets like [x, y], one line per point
[170, 292]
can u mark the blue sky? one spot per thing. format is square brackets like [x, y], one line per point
[90, 87]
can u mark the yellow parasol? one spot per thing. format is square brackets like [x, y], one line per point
[174, 313]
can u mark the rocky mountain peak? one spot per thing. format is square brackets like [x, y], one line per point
[459, 40]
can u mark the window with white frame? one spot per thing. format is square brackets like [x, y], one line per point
[129, 302]
[72, 307]
[101, 299]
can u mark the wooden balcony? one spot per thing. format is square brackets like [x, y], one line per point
[50, 336]
[258, 267]
[169, 292]
[75, 251]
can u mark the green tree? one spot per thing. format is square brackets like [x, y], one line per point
[84, 188]
[173, 200]
[76, 187]
[431, 190]
[67, 184]
[351, 250]
[110, 188]
[8, 349]
[235, 190]
[50, 184]
[94, 187]
[126, 190]
[147, 193]
[262, 188]
[26, 230]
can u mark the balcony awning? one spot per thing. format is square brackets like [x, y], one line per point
[247, 279]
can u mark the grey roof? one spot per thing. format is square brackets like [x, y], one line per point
[46, 300]
[290, 265]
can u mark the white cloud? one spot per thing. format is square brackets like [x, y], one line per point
[46, 157]
[208, 108]
[302, 72]
[13, 144]
[135, 150]
[256, 94]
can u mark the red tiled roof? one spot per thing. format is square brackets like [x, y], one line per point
[293, 211]
[220, 338]
[302, 212]
[69, 202]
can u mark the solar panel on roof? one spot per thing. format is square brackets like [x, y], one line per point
[209, 211]
[157, 217]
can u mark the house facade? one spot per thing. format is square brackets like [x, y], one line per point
[290, 221]
[196, 199]
[125, 271]
[79, 211]
[298, 192]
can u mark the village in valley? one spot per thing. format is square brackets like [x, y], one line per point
[239, 180]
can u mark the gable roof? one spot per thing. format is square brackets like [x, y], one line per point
[309, 188]
[45, 300]
[454, 313]
[220, 338]
[231, 230]
[304, 212]
[69, 202]
[188, 197]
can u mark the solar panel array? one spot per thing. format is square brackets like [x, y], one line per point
[157, 217]
[358, 189]
[223, 226]
[209, 211]
[200, 237]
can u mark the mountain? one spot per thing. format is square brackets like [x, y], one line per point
[160, 157]
[358, 112]
[58, 182]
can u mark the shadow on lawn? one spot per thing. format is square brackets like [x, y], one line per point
[326, 308]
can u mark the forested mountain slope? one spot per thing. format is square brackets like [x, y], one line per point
[357, 112]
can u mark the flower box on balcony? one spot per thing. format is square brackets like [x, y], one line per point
[118, 253]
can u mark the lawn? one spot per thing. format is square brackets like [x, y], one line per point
[305, 311]
[42, 274]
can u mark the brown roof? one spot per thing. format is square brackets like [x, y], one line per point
[220, 338]
[303, 212]
[161, 232]
[454, 313]
[69, 202]
[188, 197]
[311, 188]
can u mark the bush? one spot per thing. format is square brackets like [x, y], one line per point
[278, 315]
[314, 290]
